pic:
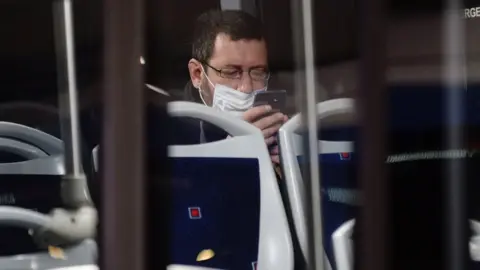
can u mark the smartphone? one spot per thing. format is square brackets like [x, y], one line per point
[277, 99]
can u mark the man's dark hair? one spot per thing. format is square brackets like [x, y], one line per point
[236, 24]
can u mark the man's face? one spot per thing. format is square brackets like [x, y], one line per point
[230, 56]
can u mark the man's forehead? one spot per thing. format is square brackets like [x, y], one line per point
[243, 52]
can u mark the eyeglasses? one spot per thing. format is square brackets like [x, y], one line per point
[257, 74]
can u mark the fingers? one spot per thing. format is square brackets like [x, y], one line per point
[274, 150]
[271, 120]
[269, 125]
[270, 140]
[255, 113]
[271, 131]
[275, 159]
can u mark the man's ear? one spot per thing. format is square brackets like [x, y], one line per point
[195, 70]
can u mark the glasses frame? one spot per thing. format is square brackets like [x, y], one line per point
[220, 73]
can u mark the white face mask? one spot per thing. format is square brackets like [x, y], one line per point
[230, 100]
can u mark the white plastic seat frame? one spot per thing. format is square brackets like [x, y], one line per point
[24, 150]
[46, 142]
[44, 152]
[329, 113]
[343, 245]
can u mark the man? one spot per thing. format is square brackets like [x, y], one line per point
[229, 65]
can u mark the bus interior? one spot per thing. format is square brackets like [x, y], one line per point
[238, 234]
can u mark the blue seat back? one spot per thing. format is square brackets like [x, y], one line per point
[216, 205]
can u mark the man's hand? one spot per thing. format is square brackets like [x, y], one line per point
[269, 124]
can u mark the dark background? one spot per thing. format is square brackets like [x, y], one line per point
[27, 61]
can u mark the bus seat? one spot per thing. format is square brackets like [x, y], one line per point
[428, 118]
[30, 189]
[226, 198]
[333, 154]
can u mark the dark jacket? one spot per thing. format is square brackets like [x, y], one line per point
[191, 93]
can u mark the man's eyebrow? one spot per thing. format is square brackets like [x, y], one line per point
[233, 66]
[252, 67]
[259, 66]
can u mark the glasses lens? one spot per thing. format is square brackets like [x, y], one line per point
[259, 74]
[231, 73]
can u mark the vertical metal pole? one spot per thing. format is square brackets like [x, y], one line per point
[372, 101]
[65, 47]
[305, 82]
[123, 246]
[455, 186]
[74, 190]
